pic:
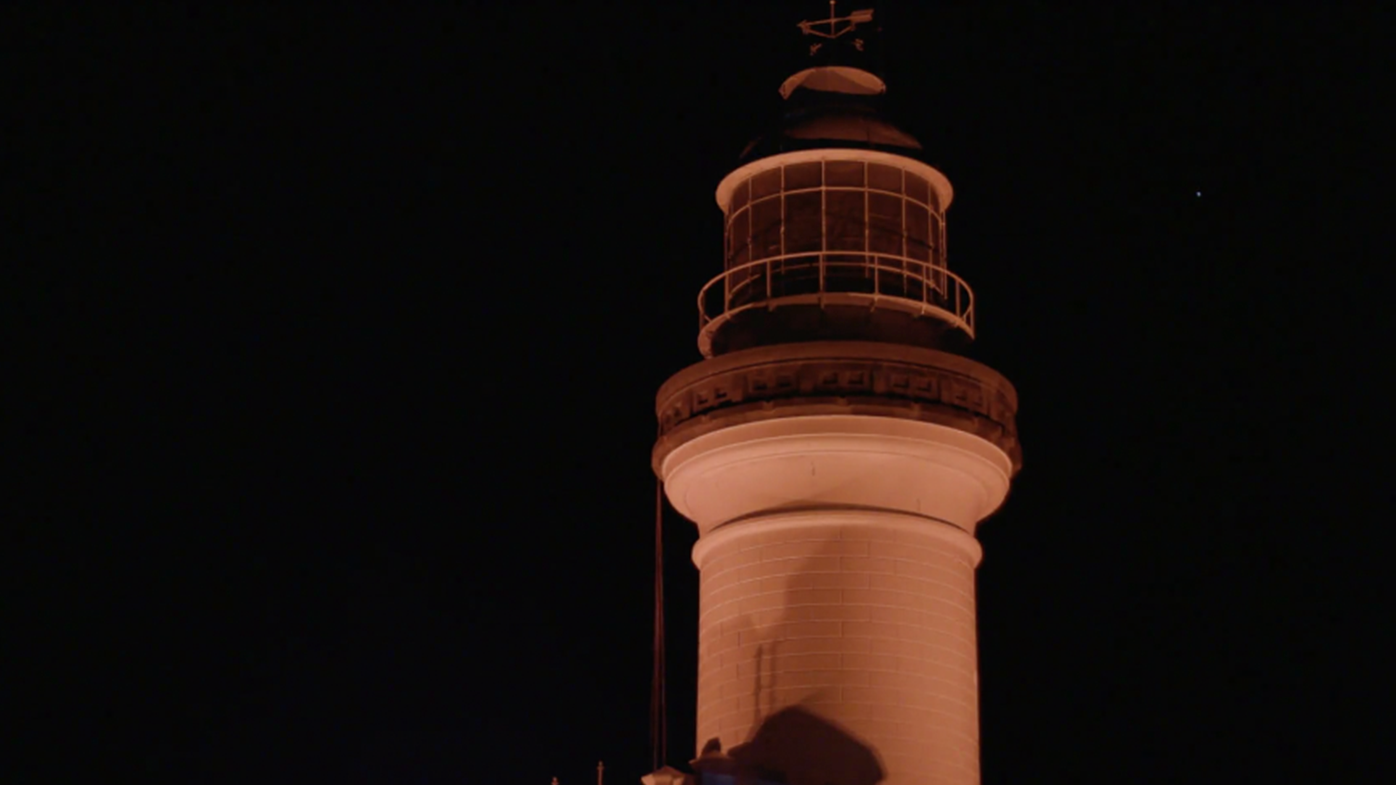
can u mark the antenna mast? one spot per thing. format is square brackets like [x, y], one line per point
[658, 728]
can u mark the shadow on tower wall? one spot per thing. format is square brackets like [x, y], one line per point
[789, 744]
[798, 747]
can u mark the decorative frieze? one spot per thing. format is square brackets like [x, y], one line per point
[919, 384]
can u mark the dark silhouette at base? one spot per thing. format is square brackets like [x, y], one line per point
[794, 746]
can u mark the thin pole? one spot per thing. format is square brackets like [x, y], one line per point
[658, 730]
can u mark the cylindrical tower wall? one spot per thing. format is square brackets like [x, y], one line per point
[863, 619]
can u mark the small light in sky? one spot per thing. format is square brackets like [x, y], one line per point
[1199, 193]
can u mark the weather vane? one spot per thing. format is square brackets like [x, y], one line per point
[850, 23]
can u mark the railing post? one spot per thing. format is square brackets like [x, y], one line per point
[768, 282]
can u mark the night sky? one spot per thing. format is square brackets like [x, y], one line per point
[348, 324]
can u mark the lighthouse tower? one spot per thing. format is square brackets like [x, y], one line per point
[837, 450]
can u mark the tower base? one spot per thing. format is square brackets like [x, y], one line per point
[838, 646]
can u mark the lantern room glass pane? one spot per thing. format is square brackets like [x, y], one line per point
[843, 173]
[806, 175]
[884, 223]
[884, 178]
[765, 184]
[844, 220]
[765, 228]
[917, 188]
[918, 232]
[741, 238]
[802, 230]
[740, 196]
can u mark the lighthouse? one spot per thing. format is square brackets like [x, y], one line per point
[836, 448]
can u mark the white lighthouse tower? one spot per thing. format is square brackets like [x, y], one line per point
[837, 450]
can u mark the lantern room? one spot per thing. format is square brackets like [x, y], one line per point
[834, 230]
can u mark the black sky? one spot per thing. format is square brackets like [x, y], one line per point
[349, 324]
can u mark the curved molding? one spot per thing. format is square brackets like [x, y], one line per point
[804, 519]
[836, 461]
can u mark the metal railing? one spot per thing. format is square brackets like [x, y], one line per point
[839, 277]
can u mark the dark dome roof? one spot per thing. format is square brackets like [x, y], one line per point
[832, 117]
